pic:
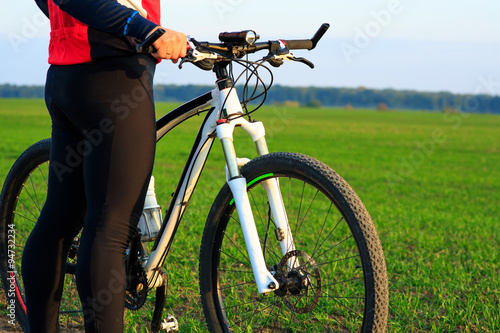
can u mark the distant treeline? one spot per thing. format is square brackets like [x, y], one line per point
[13, 91]
[315, 96]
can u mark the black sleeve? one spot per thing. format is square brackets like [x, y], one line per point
[43, 5]
[109, 16]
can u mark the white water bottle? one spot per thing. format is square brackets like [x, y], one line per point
[150, 221]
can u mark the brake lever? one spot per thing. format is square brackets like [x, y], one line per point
[277, 60]
[191, 48]
[303, 60]
[187, 58]
[196, 57]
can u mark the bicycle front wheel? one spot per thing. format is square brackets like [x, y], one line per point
[339, 283]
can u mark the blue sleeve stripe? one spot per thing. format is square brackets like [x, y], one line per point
[128, 21]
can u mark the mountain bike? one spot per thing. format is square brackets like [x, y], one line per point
[288, 246]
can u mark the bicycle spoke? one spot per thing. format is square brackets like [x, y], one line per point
[26, 218]
[344, 281]
[256, 205]
[346, 307]
[29, 210]
[337, 260]
[236, 285]
[36, 202]
[334, 246]
[43, 173]
[300, 207]
[255, 312]
[235, 271]
[321, 231]
[244, 255]
[307, 211]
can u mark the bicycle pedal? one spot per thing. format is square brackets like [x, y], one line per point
[169, 324]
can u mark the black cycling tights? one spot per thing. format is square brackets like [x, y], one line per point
[103, 145]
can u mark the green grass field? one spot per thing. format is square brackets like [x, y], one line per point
[430, 181]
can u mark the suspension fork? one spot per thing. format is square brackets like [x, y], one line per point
[225, 126]
[277, 206]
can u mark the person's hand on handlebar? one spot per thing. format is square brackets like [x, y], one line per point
[171, 45]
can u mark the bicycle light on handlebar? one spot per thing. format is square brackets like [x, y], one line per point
[247, 36]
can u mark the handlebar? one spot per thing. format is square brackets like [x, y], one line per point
[238, 44]
[294, 44]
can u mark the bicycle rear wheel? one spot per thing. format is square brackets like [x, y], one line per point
[23, 195]
[22, 198]
[341, 282]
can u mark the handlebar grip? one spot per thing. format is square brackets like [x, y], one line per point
[147, 45]
[299, 44]
[308, 44]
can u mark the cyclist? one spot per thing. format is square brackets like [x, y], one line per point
[100, 98]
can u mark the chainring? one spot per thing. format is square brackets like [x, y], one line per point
[136, 297]
[137, 285]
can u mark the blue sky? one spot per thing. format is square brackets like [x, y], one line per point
[420, 45]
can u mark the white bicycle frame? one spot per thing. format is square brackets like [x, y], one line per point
[222, 102]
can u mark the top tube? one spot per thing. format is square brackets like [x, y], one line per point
[181, 113]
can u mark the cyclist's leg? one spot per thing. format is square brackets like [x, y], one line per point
[111, 103]
[44, 255]
[116, 176]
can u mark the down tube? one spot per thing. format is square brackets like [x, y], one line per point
[184, 190]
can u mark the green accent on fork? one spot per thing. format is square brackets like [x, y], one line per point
[253, 181]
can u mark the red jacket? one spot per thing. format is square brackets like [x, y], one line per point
[85, 30]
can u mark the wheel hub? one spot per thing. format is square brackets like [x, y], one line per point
[298, 276]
